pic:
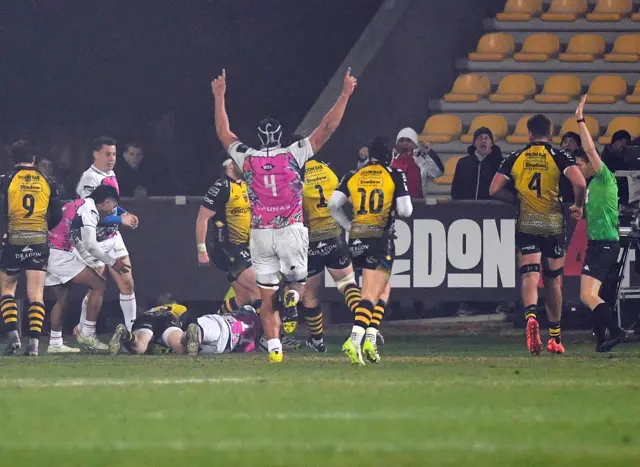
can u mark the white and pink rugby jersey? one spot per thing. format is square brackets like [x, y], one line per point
[275, 179]
[91, 178]
[59, 237]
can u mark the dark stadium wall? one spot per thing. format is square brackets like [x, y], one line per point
[416, 62]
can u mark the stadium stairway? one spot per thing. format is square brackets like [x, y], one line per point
[538, 56]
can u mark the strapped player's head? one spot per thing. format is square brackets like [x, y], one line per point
[582, 161]
[231, 169]
[104, 153]
[106, 198]
[270, 133]
[22, 152]
[379, 150]
[539, 127]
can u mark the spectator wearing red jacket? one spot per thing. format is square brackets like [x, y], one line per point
[418, 161]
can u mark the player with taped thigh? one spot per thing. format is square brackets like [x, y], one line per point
[603, 248]
[31, 208]
[279, 240]
[65, 267]
[377, 193]
[222, 234]
[108, 234]
[327, 249]
[535, 172]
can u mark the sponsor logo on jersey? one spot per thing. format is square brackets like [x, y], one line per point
[321, 244]
[27, 249]
[268, 167]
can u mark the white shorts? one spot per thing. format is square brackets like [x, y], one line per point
[62, 267]
[280, 251]
[113, 246]
[215, 334]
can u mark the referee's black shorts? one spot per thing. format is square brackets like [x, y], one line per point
[601, 259]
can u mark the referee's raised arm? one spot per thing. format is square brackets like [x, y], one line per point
[588, 144]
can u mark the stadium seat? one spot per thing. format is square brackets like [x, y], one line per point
[449, 170]
[610, 11]
[607, 89]
[584, 48]
[626, 49]
[560, 89]
[520, 10]
[514, 89]
[441, 128]
[571, 124]
[635, 97]
[493, 47]
[521, 133]
[469, 88]
[538, 47]
[565, 10]
[496, 123]
[631, 124]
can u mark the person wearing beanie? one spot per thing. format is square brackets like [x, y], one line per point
[417, 160]
[613, 154]
[475, 171]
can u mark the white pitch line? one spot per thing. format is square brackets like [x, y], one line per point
[87, 382]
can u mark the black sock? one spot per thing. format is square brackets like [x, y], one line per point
[531, 311]
[554, 331]
[604, 318]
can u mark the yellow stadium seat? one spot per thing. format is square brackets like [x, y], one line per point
[584, 48]
[514, 89]
[538, 47]
[496, 123]
[635, 97]
[521, 133]
[469, 88]
[560, 89]
[610, 11]
[449, 170]
[520, 10]
[571, 124]
[631, 124]
[606, 89]
[441, 128]
[626, 49]
[493, 47]
[565, 10]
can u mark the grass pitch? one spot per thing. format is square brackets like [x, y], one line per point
[433, 400]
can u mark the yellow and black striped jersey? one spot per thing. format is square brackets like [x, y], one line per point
[373, 189]
[319, 184]
[27, 199]
[230, 201]
[535, 172]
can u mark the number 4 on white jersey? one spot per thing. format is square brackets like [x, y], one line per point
[270, 182]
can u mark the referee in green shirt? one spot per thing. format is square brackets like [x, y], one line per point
[603, 247]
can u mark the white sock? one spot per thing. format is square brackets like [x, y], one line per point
[129, 309]
[55, 338]
[357, 333]
[88, 329]
[274, 345]
[372, 334]
[83, 311]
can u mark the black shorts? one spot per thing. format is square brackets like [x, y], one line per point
[601, 259]
[551, 246]
[230, 258]
[17, 258]
[332, 253]
[157, 324]
[372, 253]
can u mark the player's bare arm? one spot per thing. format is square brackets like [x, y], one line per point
[579, 190]
[332, 120]
[204, 215]
[219, 88]
[498, 188]
[587, 142]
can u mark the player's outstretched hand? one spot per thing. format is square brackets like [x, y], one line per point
[219, 85]
[576, 212]
[203, 259]
[349, 84]
[121, 267]
[580, 109]
[130, 220]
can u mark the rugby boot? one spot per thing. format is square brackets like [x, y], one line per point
[317, 346]
[275, 356]
[616, 337]
[92, 343]
[192, 339]
[534, 344]
[370, 350]
[353, 352]
[32, 347]
[380, 338]
[555, 347]
[116, 340]
[291, 343]
[61, 348]
[290, 312]
[13, 345]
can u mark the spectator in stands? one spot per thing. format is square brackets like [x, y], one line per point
[418, 161]
[475, 171]
[141, 176]
[363, 156]
[45, 166]
[613, 154]
[570, 142]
